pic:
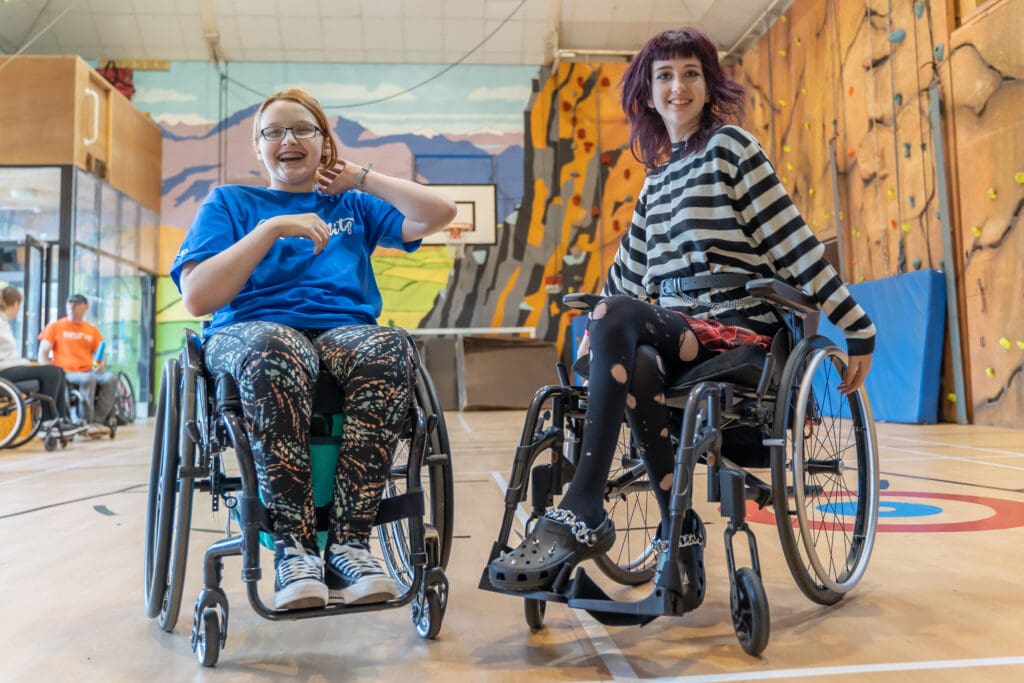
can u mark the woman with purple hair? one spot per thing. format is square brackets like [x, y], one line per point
[711, 216]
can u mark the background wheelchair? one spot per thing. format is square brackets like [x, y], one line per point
[21, 416]
[199, 417]
[823, 484]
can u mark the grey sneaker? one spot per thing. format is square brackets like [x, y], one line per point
[299, 579]
[355, 577]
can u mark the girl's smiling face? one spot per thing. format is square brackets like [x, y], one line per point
[678, 93]
[291, 163]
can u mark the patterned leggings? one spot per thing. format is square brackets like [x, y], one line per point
[276, 368]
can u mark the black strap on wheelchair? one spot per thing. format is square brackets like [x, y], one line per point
[391, 510]
[672, 286]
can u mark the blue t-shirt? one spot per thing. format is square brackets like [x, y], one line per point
[290, 285]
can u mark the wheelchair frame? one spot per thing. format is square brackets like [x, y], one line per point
[21, 403]
[194, 428]
[787, 419]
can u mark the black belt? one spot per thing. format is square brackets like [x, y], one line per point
[674, 286]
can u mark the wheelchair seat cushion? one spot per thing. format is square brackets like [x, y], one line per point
[28, 386]
[742, 365]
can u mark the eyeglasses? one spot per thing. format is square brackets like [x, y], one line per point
[277, 133]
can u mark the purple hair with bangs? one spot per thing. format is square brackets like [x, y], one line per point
[648, 139]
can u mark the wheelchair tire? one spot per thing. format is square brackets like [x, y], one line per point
[207, 645]
[534, 611]
[427, 613]
[32, 424]
[749, 608]
[124, 399]
[12, 412]
[438, 488]
[826, 508]
[160, 503]
[633, 508]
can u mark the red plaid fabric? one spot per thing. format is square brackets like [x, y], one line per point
[718, 337]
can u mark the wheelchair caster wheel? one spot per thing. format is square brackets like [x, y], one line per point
[534, 610]
[206, 637]
[427, 613]
[750, 617]
[50, 442]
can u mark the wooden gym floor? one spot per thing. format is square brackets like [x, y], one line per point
[942, 599]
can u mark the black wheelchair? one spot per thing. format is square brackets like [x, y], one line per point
[21, 416]
[743, 409]
[199, 417]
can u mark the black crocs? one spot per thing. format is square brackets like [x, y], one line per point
[558, 538]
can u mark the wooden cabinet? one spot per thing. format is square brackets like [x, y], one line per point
[58, 110]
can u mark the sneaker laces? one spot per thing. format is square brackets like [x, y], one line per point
[354, 560]
[298, 563]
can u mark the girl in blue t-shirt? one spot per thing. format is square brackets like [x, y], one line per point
[285, 271]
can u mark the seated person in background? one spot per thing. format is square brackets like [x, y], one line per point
[711, 205]
[285, 271]
[15, 368]
[71, 343]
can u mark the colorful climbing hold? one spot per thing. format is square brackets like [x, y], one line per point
[897, 36]
[976, 230]
[893, 224]
[803, 91]
[1020, 345]
[849, 91]
[911, 201]
[1019, 177]
[798, 41]
[906, 150]
[811, 191]
[992, 194]
[785, 148]
[951, 397]
[856, 233]
[782, 53]
[824, 214]
[841, 216]
[898, 99]
[851, 152]
[906, 227]
[939, 50]
[919, 9]
[991, 372]
[782, 103]
[891, 193]
[807, 125]
[917, 264]
[1005, 343]
[789, 166]
[782, 18]
[785, 179]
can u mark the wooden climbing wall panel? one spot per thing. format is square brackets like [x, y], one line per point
[986, 64]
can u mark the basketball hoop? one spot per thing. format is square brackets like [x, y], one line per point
[454, 232]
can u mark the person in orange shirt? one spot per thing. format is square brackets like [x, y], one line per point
[71, 343]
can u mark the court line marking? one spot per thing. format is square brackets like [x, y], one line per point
[85, 461]
[843, 670]
[616, 663]
[973, 461]
[465, 425]
[981, 449]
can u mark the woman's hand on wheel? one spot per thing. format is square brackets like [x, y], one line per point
[856, 371]
[307, 225]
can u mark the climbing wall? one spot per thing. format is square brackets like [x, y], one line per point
[986, 100]
[580, 183]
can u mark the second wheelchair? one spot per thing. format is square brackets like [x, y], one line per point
[199, 418]
[823, 485]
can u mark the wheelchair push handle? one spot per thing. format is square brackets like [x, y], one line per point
[581, 301]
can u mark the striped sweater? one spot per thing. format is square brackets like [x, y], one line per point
[723, 210]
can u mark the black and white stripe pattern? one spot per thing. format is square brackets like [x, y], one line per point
[723, 210]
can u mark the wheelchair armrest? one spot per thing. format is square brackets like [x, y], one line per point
[582, 301]
[780, 293]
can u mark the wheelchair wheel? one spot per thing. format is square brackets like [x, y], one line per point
[438, 489]
[160, 502]
[749, 606]
[633, 508]
[534, 611]
[13, 413]
[124, 399]
[171, 506]
[33, 421]
[207, 645]
[428, 612]
[824, 473]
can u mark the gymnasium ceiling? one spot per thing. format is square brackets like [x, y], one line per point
[371, 31]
